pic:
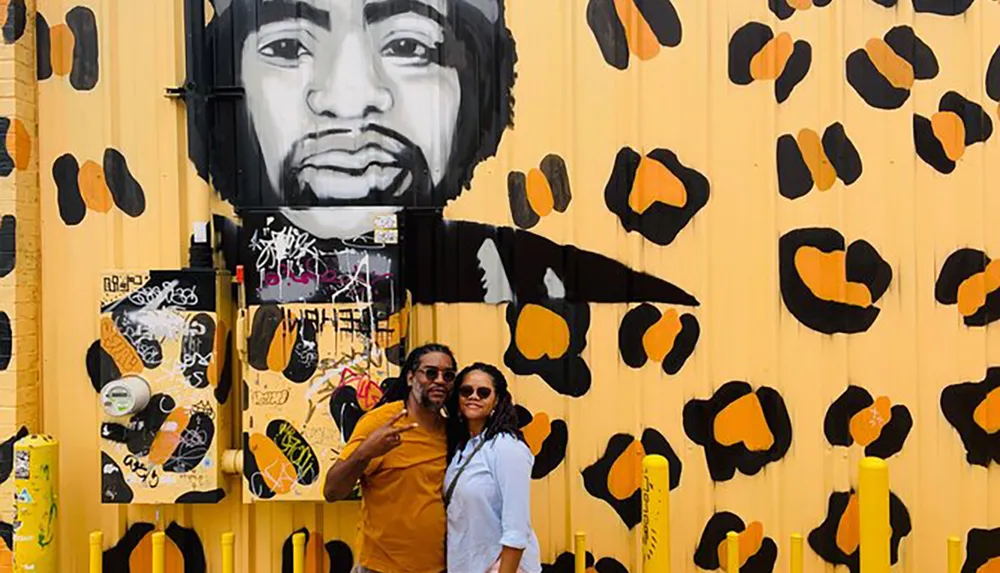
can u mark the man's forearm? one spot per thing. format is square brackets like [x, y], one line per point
[343, 475]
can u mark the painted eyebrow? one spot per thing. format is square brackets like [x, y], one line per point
[282, 10]
[378, 11]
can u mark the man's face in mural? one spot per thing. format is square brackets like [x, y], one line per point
[352, 99]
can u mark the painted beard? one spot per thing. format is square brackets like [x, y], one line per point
[375, 165]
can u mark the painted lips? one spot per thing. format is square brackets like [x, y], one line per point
[352, 162]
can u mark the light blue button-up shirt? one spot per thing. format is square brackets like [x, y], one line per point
[491, 506]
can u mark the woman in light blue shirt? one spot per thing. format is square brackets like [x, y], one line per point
[488, 481]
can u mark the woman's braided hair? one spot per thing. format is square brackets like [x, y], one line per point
[503, 420]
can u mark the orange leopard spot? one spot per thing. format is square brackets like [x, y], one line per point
[218, 361]
[655, 183]
[823, 173]
[659, 339]
[6, 559]
[541, 332]
[848, 530]
[973, 290]
[124, 355]
[949, 129]
[281, 347]
[169, 436]
[540, 193]
[641, 40]
[18, 142]
[826, 276]
[770, 61]
[537, 431]
[142, 555]
[317, 559]
[278, 473]
[61, 40]
[866, 425]
[626, 473]
[751, 540]
[743, 421]
[987, 413]
[800, 4]
[898, 71]
[94, 188]
[991, 566]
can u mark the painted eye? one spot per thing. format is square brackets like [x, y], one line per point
[285, 49]
[407, 48]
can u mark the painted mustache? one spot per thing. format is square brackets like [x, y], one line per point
[388, 160]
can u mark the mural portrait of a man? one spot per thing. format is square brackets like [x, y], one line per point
[355, 102]
[391, 104]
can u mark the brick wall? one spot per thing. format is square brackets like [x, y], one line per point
[20, 238]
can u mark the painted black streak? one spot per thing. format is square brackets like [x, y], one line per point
[86, 64]
[7, 453]
[8, 244]
[65, 170]
[114, 489]
[101, 367]
[195, 440]
[125, 190]
[609, 32]
[43, 47]
[213, 496]
[17, 20]
[6, 159]
[6, 341]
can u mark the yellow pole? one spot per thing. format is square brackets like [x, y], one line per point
[96, 552]
[954, 554]
[655, 515]
[580, 552]
[873, 501]
[796, 565]
[227, 552]
[159, 556]
[36, 504]
[732, 552]
[299, 553]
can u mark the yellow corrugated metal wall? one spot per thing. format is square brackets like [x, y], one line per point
[571, 102]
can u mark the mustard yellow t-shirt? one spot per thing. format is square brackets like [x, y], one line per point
[403, 520]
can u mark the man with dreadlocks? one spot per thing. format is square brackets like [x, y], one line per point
[398, 451]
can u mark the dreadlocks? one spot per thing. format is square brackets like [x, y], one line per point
[503, 419]
[396, 389]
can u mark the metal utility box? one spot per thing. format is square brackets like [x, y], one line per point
[165, 381]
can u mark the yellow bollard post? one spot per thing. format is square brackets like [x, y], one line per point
[299, 553]
[655, 514]
[732, 552]
[159, 554]
[796, 555]
[96, 552]
[228, 562]
[873, 507]
[580, 552]
[954, 554]
[36, 482]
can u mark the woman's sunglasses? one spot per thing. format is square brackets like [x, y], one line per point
[482, 392]
[432, 373]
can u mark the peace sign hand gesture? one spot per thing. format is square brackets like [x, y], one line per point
[386, 438]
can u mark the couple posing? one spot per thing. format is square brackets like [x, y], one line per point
[436, 486]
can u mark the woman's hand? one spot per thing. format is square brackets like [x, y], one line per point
[510, 559]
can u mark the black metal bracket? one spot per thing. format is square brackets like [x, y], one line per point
[223, 92]
[217, 92]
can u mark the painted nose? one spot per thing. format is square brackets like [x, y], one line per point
[348, 86]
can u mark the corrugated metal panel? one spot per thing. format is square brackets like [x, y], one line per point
[571, 102]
